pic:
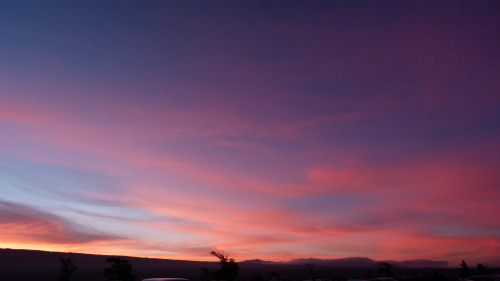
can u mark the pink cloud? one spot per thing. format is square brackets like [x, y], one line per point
[420, 182]
[163, 147]
[22, 224]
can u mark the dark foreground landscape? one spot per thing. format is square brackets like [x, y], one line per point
[27, 265]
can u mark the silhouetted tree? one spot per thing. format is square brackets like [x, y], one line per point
[229, 268]
[310, 270]
[68, 266]
[119, 269]
[385, 269]
[464, 270]
[481, 269]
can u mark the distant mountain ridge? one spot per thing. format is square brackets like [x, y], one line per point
[343, 262]
[358, 262]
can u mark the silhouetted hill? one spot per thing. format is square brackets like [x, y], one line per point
[23, 265]
[26, 265]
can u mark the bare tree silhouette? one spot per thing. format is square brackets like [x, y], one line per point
[68, 266]
[464, 270]
[120, 269]
[229, 268]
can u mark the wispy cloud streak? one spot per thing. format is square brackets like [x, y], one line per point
[326, 130]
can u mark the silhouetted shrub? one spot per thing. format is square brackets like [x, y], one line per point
[68, 266]
[119, 269]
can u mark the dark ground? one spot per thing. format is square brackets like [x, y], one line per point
[28, 265]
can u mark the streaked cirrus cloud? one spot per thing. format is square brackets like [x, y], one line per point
[274, 131]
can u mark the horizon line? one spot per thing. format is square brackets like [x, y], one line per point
[322, 261]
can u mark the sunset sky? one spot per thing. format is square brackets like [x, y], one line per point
[268, 130]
